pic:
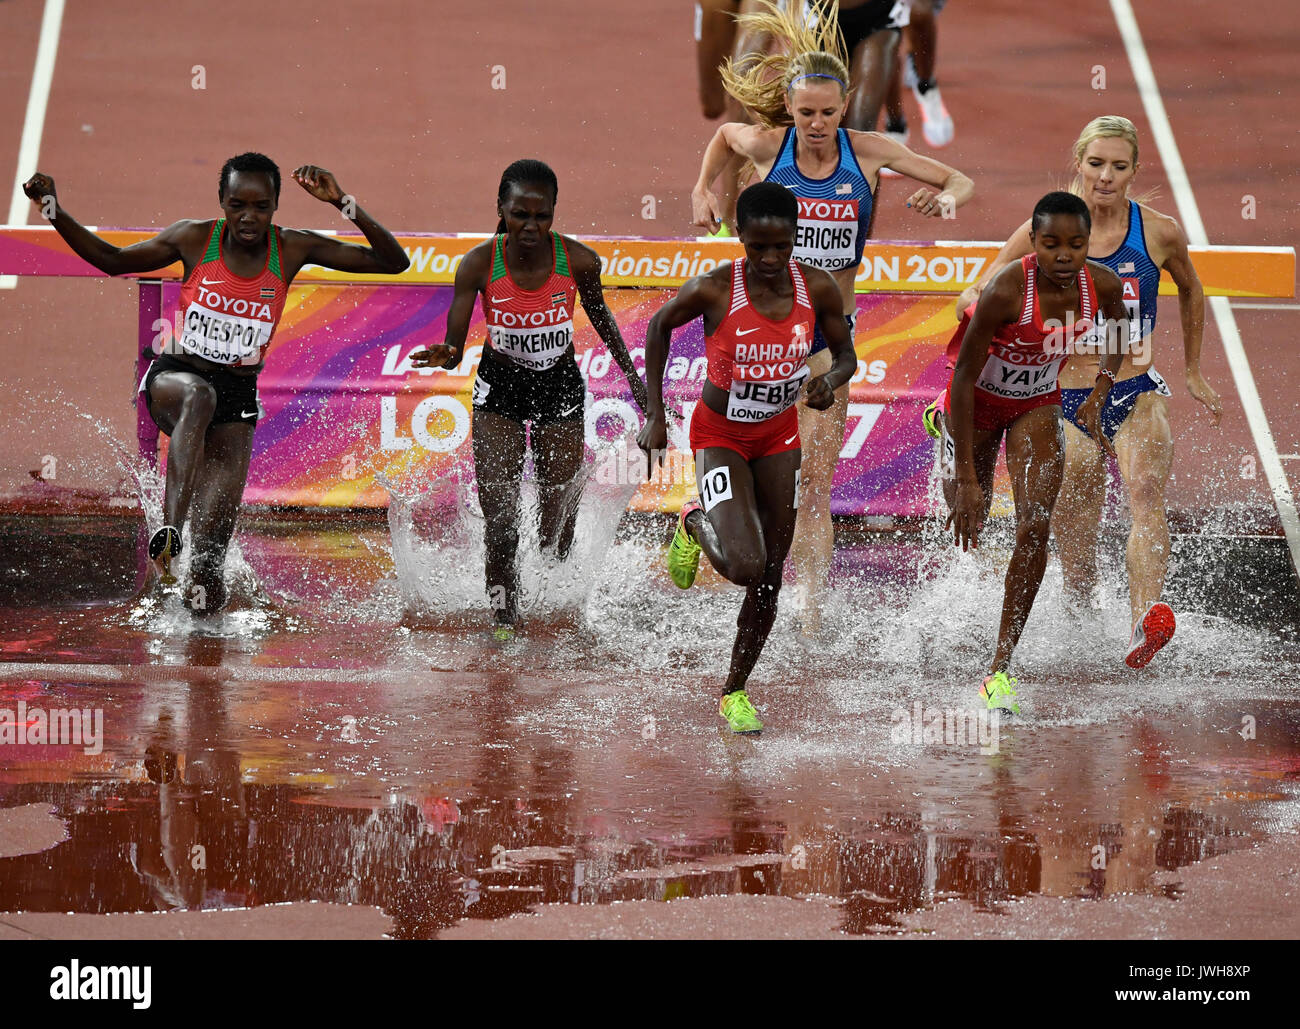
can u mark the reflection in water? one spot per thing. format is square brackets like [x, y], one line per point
[194, 833]
[313, 755]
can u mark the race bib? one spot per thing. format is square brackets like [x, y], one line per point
[538, 340]
[233, 333]
[1013, 375]
[827, 233]
[715, 487]
[766, 377]
[759, 401]
[947, 454]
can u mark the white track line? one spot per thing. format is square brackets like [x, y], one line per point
[1190, 215]
[1250, 305]
[29, 148]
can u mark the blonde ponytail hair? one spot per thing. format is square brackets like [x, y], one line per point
[805, 49]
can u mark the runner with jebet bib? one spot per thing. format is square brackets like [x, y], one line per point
[759, 315]
[1024, 326]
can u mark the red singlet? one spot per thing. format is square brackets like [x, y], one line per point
[761, 365]
[1025, 357]
[533, 328]
[226, 318]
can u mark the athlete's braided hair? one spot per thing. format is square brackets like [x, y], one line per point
[809, 47]
[249, 162]
[1059, 202]
[766, 200]
[530, 171]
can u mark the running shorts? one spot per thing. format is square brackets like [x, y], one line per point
[750, 440]
[237, 399]
[1119, 401]
[523, 395]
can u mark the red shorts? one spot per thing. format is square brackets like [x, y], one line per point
[749, 439]
[993, 415]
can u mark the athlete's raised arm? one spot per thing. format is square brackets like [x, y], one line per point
[178, 242]
[384, 256]
[697, 298]
[733, 143]
[471, 277]
[999, 305]
[949, 188]
[585, 263]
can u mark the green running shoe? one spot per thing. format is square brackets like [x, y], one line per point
[503, 633]
[724, 232]
[997, 692]
[930, 418]
[683, 551]
[739, 712]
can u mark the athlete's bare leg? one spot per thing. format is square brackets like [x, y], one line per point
[922, 38]
[737, 173]
[821, 435]
[498, 465]
[182, 405]
[716, 36]
[1145, 448]
[214, 511]
[558, 451]
[746, 539]
[894, 113]
[871, 66]
[985, 443]
[1076, 519]
[1036, 461]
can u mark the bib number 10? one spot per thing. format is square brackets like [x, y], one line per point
[715, 487]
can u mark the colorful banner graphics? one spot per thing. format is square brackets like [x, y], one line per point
[343, 406]
[893, 266]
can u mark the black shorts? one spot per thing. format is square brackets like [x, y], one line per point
[523, 395]
[236, 394]
[872, 17]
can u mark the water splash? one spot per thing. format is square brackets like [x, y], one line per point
[438, 551]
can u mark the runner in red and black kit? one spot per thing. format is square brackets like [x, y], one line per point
[1005, 384]
[529, 278]
[759, 316]
[202, 390]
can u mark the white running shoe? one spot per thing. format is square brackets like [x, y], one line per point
[937, 122]
[897, 137]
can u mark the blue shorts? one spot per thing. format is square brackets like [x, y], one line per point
[819, 341]
[1119, 402]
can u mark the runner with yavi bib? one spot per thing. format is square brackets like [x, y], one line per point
[202, 390]
[1135, 242]
[1025, 325]
[759, 317]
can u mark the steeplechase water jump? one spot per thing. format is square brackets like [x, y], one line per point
[713, 487]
